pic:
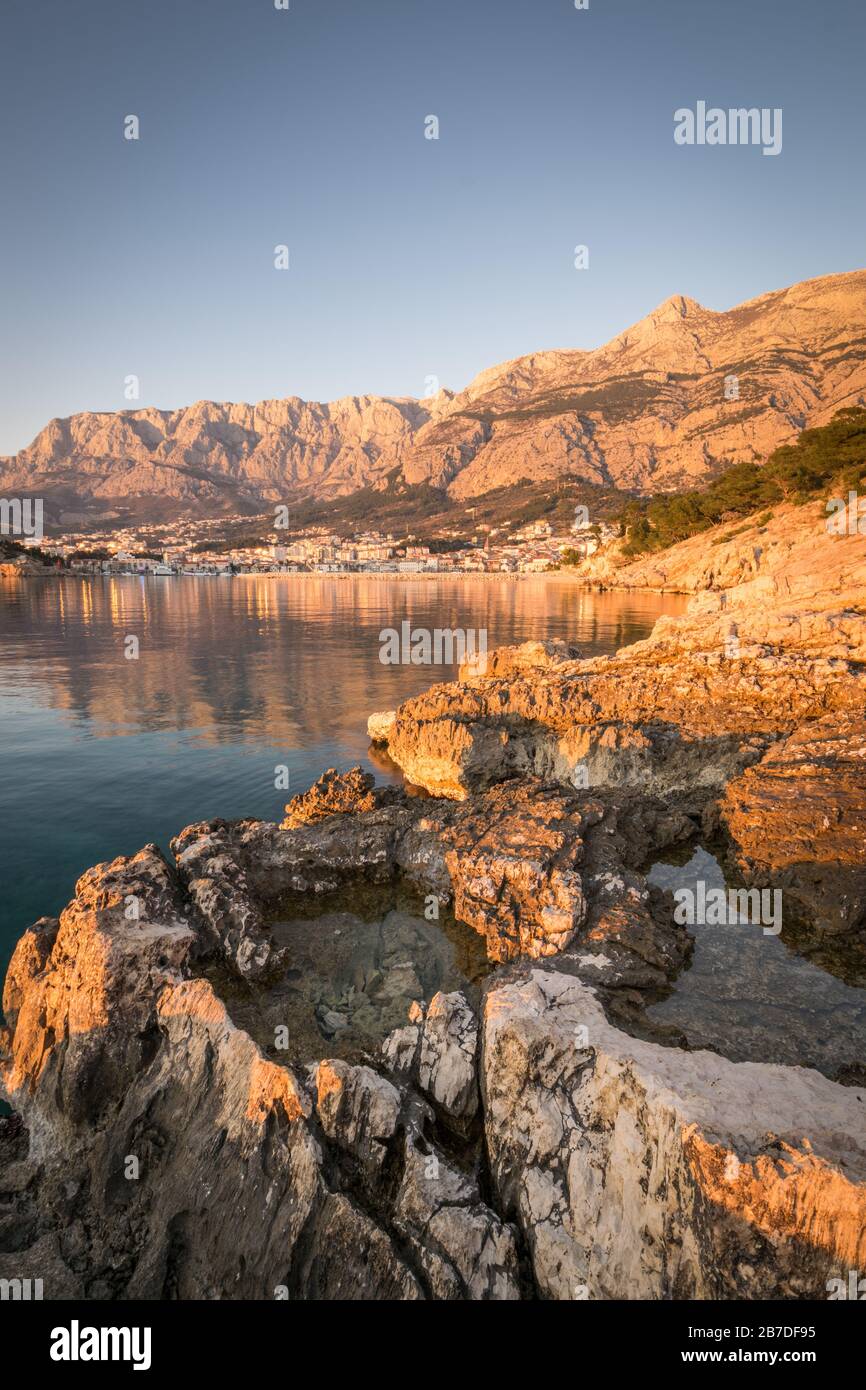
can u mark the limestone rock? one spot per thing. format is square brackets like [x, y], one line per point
[514, 866]
[76, 1002]
[647, 1172]
[350, 1258]
[358, 1109]
[400, 1051]
[335, 793]
[798, 821]
[43, 1268]
[466, 1251]
[220, 893]
[447, 1070]
[156, 1153]
[754, 697]
[379, 726]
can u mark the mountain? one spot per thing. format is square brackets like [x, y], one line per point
[648, 412]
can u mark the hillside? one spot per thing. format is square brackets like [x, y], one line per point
[789, 548]
[750, 521]
[647, 412]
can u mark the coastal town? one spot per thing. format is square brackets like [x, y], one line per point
[200, 549]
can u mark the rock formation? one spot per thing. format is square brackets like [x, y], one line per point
[176, 1160]
[518, 1147]
[645, 1172]
[774, 642]
[535, 1130]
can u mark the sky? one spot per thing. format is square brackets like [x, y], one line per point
[412, 261]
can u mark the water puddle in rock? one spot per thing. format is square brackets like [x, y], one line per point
[353, 971]
[749, 996]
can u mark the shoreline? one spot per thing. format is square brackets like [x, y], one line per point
[554, 576]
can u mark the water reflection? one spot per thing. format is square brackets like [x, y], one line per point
[234, 677]
[747, 995]
[264, 657]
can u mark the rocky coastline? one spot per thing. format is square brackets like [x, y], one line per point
[490, 1109]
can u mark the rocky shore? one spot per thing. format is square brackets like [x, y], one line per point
[474, 1100]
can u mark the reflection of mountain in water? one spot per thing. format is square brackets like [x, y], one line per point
[267, 658]
[234, 682]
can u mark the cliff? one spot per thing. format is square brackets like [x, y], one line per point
[662, 406]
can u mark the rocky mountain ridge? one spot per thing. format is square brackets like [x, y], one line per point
[663, 405]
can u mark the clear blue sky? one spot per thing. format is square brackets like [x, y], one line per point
[409, 257]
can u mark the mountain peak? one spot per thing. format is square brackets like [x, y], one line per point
[678, 306]
[651, 410]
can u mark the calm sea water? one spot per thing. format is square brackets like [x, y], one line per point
[101, 754]
[750, 995]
